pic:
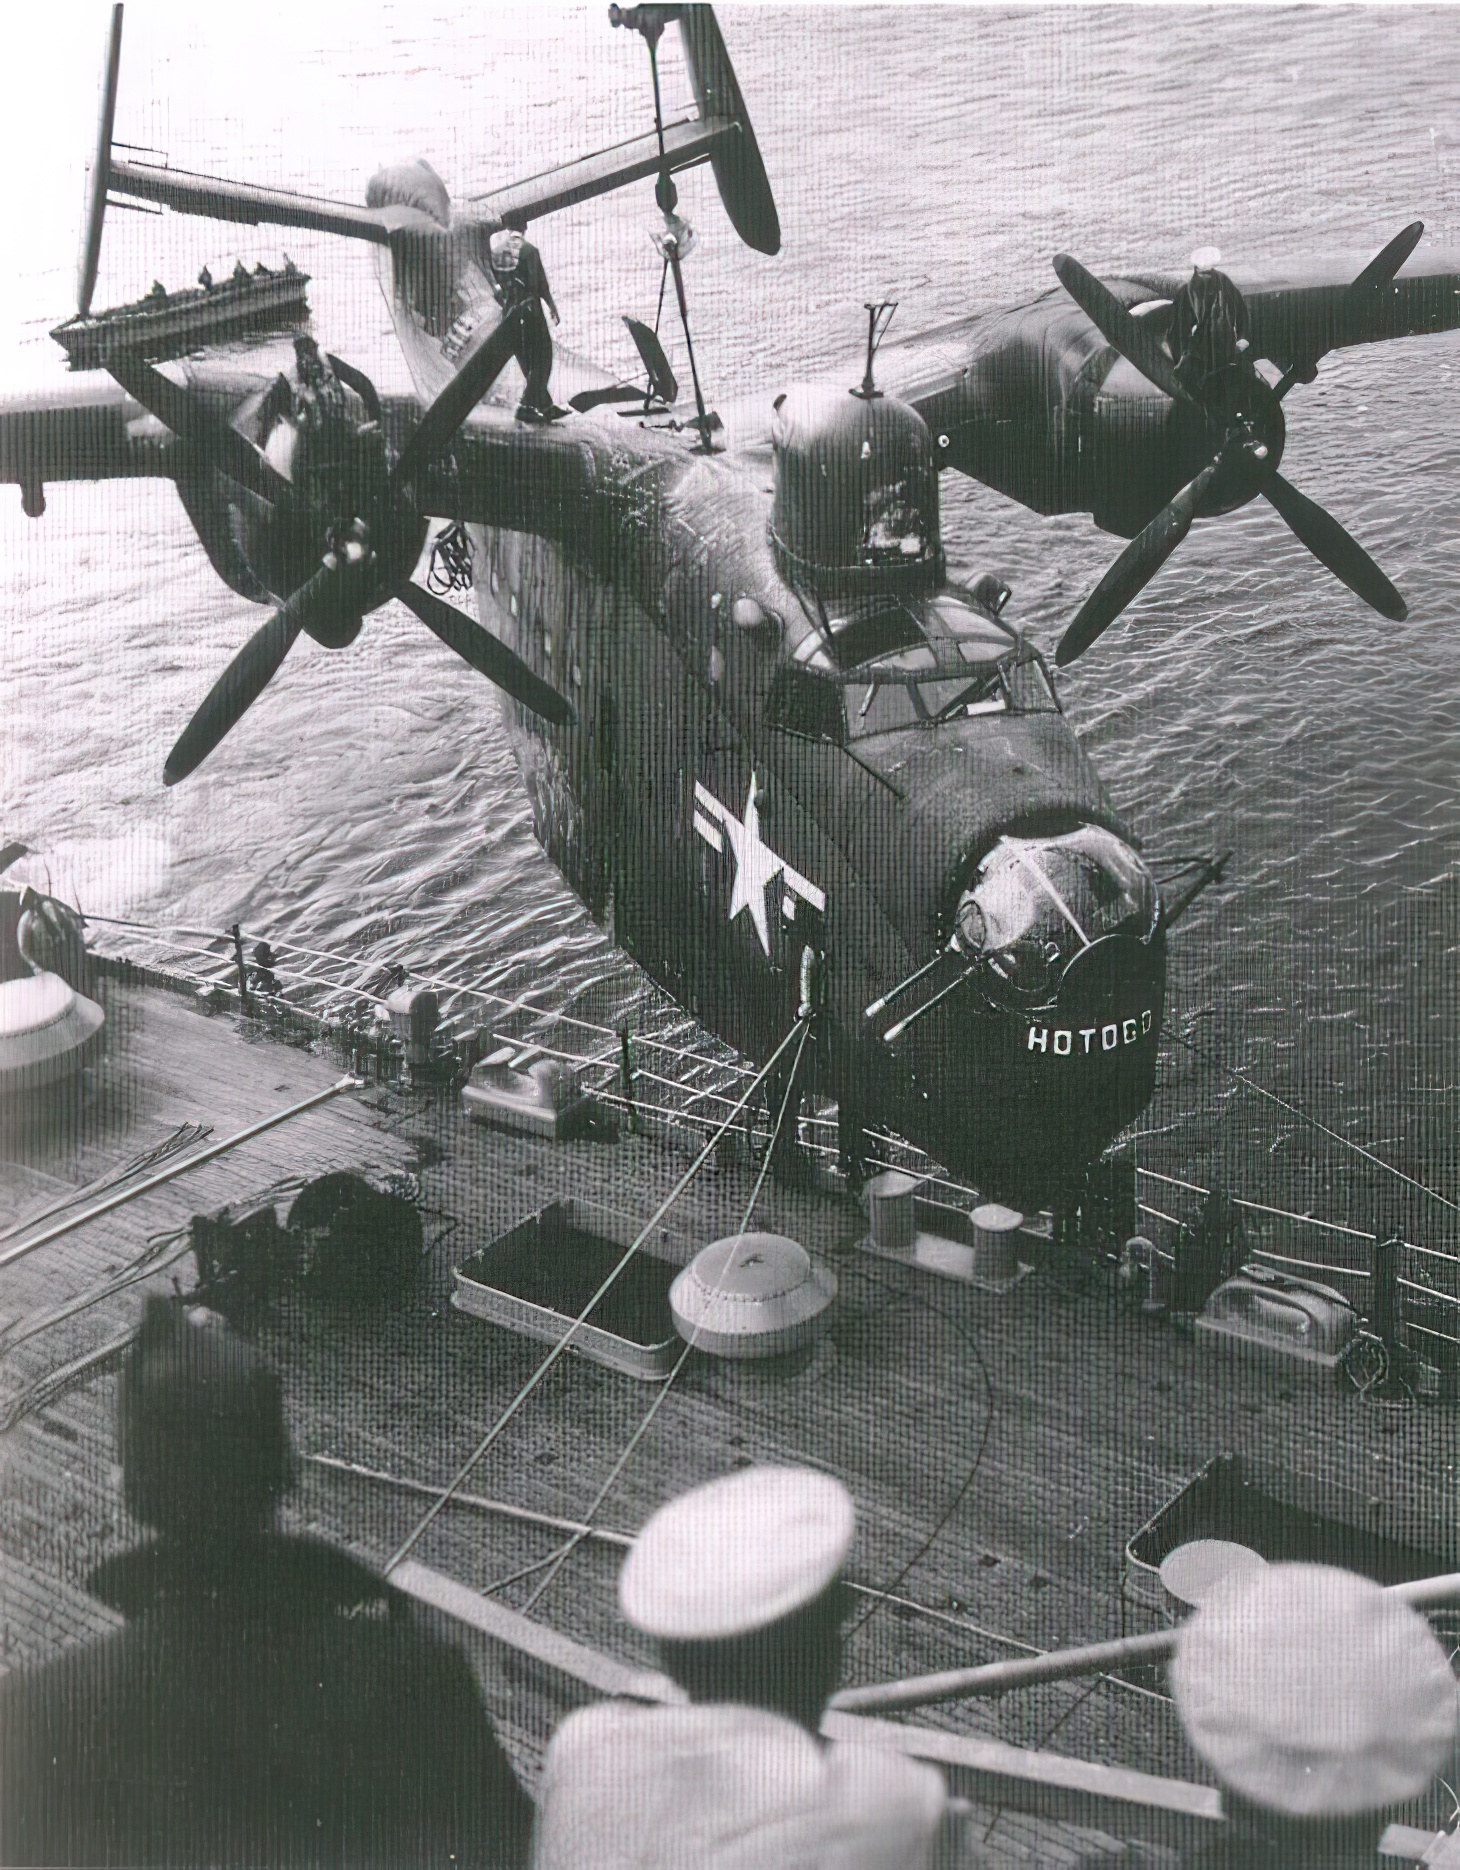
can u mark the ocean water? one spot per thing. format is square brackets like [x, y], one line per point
[939, 156]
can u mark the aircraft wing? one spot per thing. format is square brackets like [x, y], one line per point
[86, 430]
[505, 474]
[1302, 315]
[1291, 318]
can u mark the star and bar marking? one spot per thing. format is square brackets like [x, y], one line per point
[757, 866]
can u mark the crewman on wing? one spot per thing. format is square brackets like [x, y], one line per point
[522, 289]
[1321, 1703]
[270, 1700]
[740, 1583]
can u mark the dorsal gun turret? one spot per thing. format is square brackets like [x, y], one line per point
[856, 505]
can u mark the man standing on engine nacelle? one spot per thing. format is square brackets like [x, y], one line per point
[1208, 328]
[521, 287]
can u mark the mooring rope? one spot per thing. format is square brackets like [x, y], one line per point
[497, 1429]
[690, 1344]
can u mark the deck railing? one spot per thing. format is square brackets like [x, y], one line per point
[690, 1086]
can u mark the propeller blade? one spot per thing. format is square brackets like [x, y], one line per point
[1135, 343]
[1134, 569]
[235, 691]
[456, 402]
[1382, 268]
[192, 423]
[1339, 550]
[486, 655]
[357, 381]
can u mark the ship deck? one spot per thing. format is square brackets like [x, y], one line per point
[1026, 1436]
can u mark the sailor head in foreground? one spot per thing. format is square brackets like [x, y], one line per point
[740, 1583]
[1321, 1703]
[269, 1699]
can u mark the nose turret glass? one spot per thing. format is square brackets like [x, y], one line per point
[1035, 904]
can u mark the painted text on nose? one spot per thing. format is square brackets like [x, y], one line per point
[1081, 1041]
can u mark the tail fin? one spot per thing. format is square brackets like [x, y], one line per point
[739, 172]
[720, 135]
[99, 178]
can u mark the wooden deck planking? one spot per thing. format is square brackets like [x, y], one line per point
[1099, 1414]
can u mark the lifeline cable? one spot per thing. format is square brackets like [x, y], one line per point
[643, 1428]
[494, 1433]
[1358, 1149]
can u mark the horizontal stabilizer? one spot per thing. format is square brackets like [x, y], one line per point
[685, 144]
[221, 200]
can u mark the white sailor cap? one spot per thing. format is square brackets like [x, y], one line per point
[1206, 259]
[737, 1554]
[1312, 1692]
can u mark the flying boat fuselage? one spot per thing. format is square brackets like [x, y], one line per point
[771, 762]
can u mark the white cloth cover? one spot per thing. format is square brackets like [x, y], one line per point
[726, 1788]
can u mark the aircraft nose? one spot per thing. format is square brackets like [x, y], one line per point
[1049, 1051]
[1036, 907]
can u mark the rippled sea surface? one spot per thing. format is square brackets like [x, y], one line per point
[937, 156]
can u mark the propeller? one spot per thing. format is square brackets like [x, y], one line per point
[367, 560]
[1243, 422]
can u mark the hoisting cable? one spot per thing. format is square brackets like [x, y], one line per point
[639, 1433]
[649, 23]
[514, 1408]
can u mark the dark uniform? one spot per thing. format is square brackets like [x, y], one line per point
[271, 1700]
[283, 1708]
[521, 289]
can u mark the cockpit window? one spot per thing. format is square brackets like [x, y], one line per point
[978, 637]
[810, 705]
[1016, 684]
[909, 664]
[874, 633]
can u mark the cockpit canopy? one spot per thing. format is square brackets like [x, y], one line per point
[880, 664]
[856, 503]
[1035, 904]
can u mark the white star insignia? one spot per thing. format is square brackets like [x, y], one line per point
[756, 865]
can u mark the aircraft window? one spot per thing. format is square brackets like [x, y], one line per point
[1007, 687]
[979, 638]
[875, 633]
[800, 703]
[1037, 903]
[1030, 688]
[882, 707]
